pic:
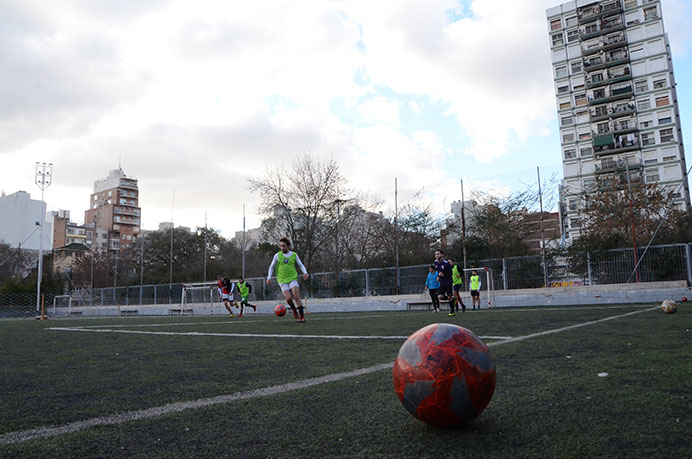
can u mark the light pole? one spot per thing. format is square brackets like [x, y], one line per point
[43, 179]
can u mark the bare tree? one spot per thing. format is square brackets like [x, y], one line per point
[300, 202]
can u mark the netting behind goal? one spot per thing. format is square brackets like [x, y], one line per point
[201, 293]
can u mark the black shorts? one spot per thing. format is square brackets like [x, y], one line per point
[445, 290]
[475, 293]
[457, 287]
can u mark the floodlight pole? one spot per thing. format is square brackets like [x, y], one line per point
[540, 200]
[244, 241]
[634, 233]
[43, 179]
[463, 222]
[396, 232]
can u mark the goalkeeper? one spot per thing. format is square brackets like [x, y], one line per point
[245, 290]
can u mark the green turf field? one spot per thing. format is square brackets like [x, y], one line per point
[549, 401]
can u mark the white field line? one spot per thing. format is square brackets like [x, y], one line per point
[46, 432]
[243, 335]
[242, 321]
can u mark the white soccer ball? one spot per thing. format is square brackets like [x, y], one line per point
[669, 306]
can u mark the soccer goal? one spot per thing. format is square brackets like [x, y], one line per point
[200, 293]
[62, 301]
[490, 291]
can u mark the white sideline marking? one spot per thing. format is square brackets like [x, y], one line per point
[46, 432]
[242, 335]
[241, 321]
[235, 335]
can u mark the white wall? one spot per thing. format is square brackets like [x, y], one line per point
[18, 216]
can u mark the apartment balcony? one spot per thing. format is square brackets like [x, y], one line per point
[609, 165]
[606, 27]
[605, 44]
[126, 220]
[617, 181]
[612, 78]
[611, 96]
[594, 63]
[610, 144]
[591, 13]
[128, 184]
[617, 112]
[126, 211]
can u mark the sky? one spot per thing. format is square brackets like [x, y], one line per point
[194, 98]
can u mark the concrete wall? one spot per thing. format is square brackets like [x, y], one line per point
[654, 292]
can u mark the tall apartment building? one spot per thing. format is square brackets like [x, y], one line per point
[114, 215]
[617, 102]
[20, 220]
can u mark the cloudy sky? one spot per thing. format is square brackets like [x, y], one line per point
[198, 96]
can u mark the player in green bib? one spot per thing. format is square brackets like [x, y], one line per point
[475, 286]
[456, 284]
[284, 263]
[245, 290]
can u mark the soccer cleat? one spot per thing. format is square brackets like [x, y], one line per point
[231, 315]
[295, 314]
[301, 320]
[240, 315]
[254, 308]
[451, 314]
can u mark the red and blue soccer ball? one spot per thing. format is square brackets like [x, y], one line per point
[280, 310]
[444, 375]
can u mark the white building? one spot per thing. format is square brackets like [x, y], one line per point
[617, 101]
[20, 218]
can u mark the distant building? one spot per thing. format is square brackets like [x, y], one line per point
[66, 232]
[21, 218]
[551, 229]
[65, 256]
[454, 228]
[114, 213]
[252, 238]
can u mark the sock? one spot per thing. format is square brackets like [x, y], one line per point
[451, 306]
[300, 311]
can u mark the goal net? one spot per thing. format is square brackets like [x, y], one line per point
[201, 293]
[64, 302]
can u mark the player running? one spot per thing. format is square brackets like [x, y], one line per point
[226, 292]
[431, 285]
[475, 286]
[444, 275]
[285, 263]
[245, 290]
[456, 285]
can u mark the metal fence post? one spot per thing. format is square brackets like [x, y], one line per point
[367, 282]
[588, 267]
[504, 274]
[688, 264]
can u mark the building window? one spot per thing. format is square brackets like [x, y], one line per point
[662, 101]
[650, 13]
[630, 4]
[571, 22]
[660, 83]
[579, 100]
[665, 120]
[669, 158]
[564, 105]
[584, 135]
[566, 138]
[563, 89]
[576, 67]
[641, 86]
[571, 153]
[652, 176]
[643, 104]
[558, 40]
[651, 161]
[586, 152]
[573, 205]
[575, 222]
[561, 72]
[647, 138]
[596, 78]
[556, 24]
[566, 121]
[667, 135]
[572, 36]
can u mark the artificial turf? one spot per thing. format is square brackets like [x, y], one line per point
[550, 400]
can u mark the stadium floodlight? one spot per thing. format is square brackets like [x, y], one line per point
[43, 179]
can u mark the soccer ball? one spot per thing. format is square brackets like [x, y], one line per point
[684, 299]
[444, 375]
[669, 306]
[280, 310]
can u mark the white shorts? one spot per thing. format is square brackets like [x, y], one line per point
[227, 297]
[289, 286]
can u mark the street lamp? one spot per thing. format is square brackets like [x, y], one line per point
[43, 179]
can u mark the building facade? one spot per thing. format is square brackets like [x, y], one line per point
[114, 216]
[66, 232]
[20, 218]
[617, 102]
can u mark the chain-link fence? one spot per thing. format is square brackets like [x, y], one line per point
[661, 263]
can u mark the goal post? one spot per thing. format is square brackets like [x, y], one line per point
[62, 301]
[202, 293]
[488, 281]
